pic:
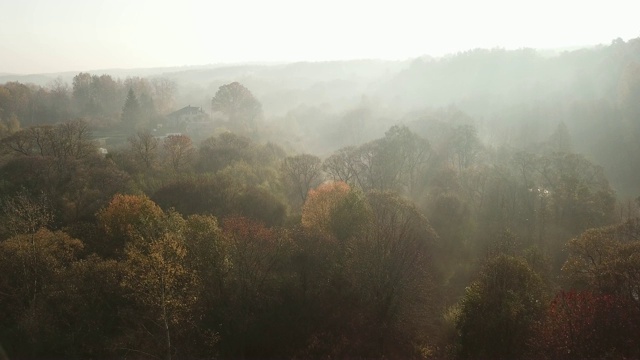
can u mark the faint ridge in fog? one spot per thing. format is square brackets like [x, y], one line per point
[44, 78]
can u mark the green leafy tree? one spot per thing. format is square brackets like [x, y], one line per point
[131, 111]
[194, 196]
[33, 268]
[607, 260]
[399, 278]
[259, 204]
[9, 125]
[380, 298]
[218, 152]
[239, 105]
[403, 159]
[18, 100]
[580, 192]
[499, 311]
[86, 311]
[62, 163]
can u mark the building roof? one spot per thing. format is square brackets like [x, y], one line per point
[187, 110]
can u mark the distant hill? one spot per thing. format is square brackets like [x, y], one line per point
[466, 79]
[37, 79]
[478, 81]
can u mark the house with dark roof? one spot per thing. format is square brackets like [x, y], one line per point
[188, 115]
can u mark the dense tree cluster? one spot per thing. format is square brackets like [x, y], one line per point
[104, 102]
[425, 242]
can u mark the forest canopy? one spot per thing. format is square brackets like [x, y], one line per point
[480, 205]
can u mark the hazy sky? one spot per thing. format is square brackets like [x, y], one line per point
[72, 35]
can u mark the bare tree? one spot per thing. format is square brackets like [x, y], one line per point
[179, 152]
[302, 173]
[26, 214]
[144, 147]
[66, 141]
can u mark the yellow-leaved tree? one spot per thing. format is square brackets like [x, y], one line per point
[157, 273]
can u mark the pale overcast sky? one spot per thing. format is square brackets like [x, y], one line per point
[39, 36]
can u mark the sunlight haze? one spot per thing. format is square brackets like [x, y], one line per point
[335, 179]
[71, 35]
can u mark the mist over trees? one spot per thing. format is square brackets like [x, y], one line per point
[480, 205]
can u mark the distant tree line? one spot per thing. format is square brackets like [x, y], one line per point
[133, 103]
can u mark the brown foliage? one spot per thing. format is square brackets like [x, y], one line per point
[131, 217]
[583, 324]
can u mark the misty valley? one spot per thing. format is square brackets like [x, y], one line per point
[480, 205]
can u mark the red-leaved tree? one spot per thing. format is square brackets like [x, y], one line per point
[584, 324]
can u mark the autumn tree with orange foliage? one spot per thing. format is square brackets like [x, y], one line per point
[130, 217]
[319, 210]
[335, 209]
[160, 275]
